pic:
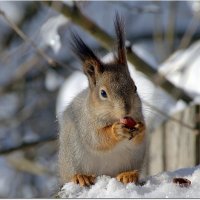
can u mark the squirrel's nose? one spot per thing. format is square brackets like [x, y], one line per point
[123, 108]
[127, 107]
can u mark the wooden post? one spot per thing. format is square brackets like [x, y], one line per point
[173, 146]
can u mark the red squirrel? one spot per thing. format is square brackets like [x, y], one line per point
[94, 139]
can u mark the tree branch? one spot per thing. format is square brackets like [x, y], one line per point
[19, 162]
[23, 69]
[25, 145]
[76, 16]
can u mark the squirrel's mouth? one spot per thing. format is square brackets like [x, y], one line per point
[110, 118]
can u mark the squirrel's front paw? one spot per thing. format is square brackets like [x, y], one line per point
[139, 127]
[121, 131]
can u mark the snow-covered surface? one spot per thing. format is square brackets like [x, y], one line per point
[158, 186]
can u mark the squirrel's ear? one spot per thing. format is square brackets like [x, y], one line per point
[92, 66]
[121, 49]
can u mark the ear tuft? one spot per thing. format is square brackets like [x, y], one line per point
[119, 29]
[90, 70]
[81, 49]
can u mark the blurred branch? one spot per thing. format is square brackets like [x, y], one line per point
[26, 145]
[75, 15]
[20, 74]
[19, 162]
[158, 37]
[30, 64]
[30, 10]
[26, 112]
[189, 33]
[26, 38]
[171, 27]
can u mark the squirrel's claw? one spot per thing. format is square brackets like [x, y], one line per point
[83, 180]
[121, 131]
[138, 128]
[128, 177]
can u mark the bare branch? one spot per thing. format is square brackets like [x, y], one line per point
[22, 70]
[25, 145]
[170, 32]
[20, 163]
[189, 33]
[31, 9]
[20, 74]
[26, 38]
[158, 37]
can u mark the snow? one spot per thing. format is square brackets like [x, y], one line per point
[49, 32]
[195, 5]
[182, 69]
[158, 186]
[12, 10]
[71, 87]
[52, 80]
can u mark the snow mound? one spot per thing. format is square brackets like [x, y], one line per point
[158, 186]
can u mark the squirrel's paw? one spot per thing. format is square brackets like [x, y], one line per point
[121, 131]
[138, 128]
[83, 180]
[128, 177]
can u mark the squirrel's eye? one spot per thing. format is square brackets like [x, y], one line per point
[135, 90]
[103, 94]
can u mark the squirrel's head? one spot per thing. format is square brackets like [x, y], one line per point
[113, 93]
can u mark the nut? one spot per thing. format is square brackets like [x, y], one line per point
[128, 122]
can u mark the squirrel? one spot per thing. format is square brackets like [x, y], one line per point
[92, 140]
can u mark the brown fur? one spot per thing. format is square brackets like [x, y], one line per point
[107, 138]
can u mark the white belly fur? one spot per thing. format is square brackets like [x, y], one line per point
[124, 157]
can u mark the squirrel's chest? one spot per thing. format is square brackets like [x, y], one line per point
[124, 157]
